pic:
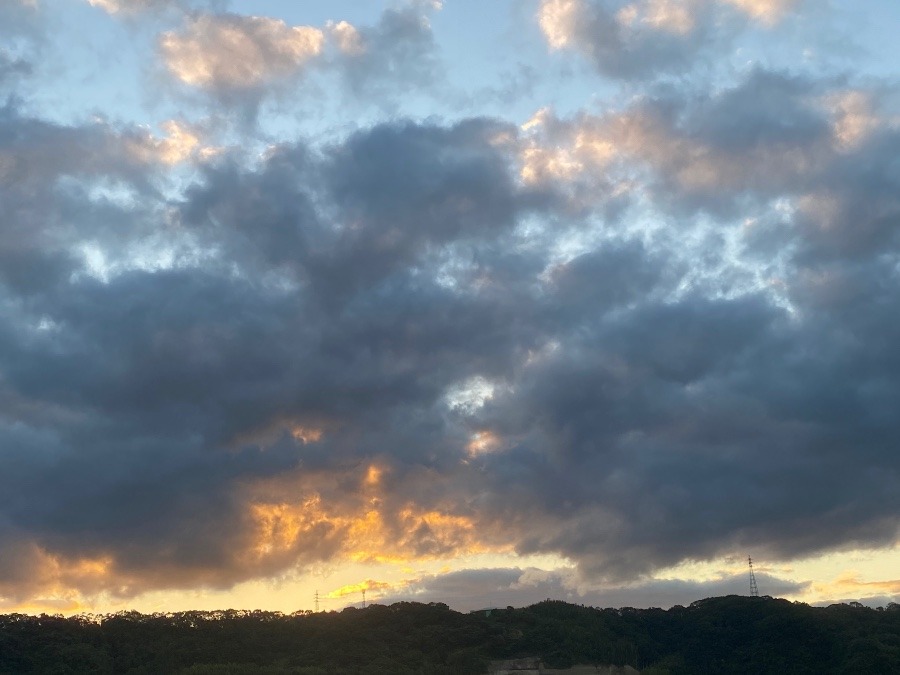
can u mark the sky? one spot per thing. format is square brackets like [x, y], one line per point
[468, 302]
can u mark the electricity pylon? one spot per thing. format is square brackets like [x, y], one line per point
[754, 589]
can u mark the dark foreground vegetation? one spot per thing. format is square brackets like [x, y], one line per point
[719, 635]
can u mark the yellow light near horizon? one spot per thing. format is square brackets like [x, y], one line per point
[353, 589]
[295, 590]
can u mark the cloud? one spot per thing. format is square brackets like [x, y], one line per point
[630, 336]
[767, 11]
[769, 136]
[182, 143]
[661, 15]
[472, 589]
[13, 68]
[398, 52]
[20, 7]
[118, 382]
[230, 52]
[241, 60]
[270, 385]
[646, 38]
[21, 26]
[627, 40]
[117, 6]
[65, 190]
[132, 8]
[347, 38]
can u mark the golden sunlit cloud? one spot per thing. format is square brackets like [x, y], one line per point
[547, 156]
[180, 144]
[563, 21]
[593, 147]
[369, 536]
[542, 164]
[558, 20]
[346, 37]
[51, 582]
[853, 118]
[236, 52]
[367, 528]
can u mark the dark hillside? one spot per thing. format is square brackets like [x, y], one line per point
[718, 635]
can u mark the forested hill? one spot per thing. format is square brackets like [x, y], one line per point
[718, 635]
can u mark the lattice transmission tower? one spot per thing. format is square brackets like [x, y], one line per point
[754, 589]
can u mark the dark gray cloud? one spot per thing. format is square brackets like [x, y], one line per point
[650, 428]
[396, 54]
[648, 39]
[767, 136]
[22, 33]
[170, 367]
[138, 368]
[19, 17]
[502, 587]
[13, 68]
[46, 174]
[634, 41]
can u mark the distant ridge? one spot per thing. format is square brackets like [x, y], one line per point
[731, 634]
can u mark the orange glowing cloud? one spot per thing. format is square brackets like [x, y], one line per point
[365, 526]
[410, 535]
[50, 582]
[289, 523]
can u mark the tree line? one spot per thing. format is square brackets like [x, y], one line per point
[730, 634]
